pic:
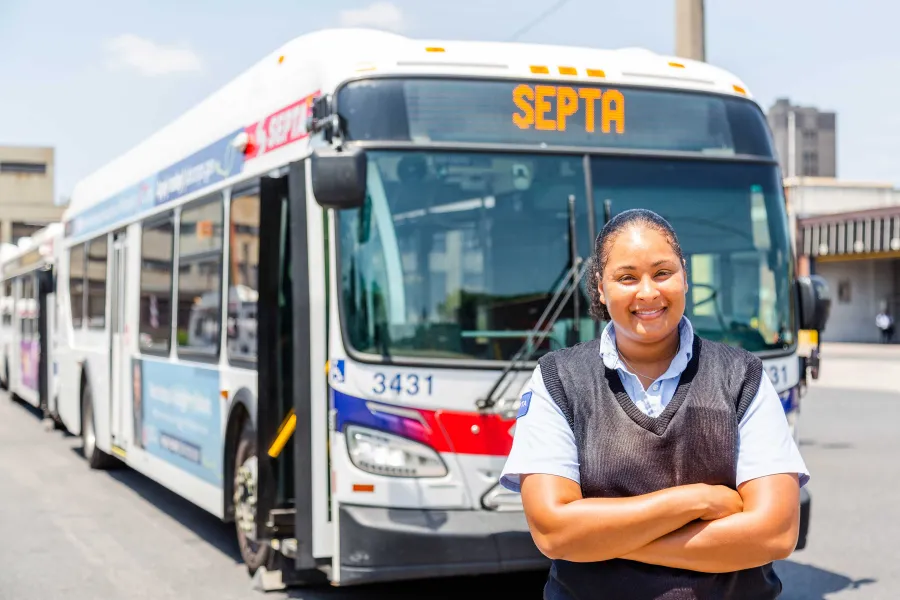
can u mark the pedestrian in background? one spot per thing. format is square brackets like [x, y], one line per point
[654, 464]
[885, 323]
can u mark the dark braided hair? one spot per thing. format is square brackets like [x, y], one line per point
[610, 231]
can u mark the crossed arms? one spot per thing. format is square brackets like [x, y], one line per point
[698, 527]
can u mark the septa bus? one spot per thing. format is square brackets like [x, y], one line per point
[28, 319]
[328, 283]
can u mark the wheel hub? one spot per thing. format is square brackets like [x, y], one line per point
[245, 494]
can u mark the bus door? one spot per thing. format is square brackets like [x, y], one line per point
[44, 314]
[275, 512]
[118, 347]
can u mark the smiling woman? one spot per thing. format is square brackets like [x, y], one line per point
[652, 460]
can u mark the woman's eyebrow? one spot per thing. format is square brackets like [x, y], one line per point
[655, 264]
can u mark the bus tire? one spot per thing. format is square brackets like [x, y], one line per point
[254, 554]
[97, 459]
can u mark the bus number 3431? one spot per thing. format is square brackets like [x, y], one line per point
[411, 384]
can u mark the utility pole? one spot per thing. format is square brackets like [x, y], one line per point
[690, 30]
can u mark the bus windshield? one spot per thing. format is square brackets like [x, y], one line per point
[455, 255]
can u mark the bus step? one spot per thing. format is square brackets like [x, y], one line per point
[281, 522]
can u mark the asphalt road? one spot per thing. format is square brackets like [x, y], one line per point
[72, 533]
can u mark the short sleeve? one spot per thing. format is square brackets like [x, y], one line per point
[543, 441]
[766, 446]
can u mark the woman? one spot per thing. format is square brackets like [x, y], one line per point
[653, 464]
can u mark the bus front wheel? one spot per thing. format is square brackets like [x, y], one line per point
[254, 554]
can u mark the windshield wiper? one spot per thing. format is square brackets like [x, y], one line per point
[536, 336]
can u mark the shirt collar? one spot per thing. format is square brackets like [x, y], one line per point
[610, 353]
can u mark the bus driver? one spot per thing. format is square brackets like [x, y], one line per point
[654, 464]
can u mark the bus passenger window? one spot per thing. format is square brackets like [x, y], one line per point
[156, 287]
[243, 269]
[200, 279]
[96, 283]
[76, 284]
[6, 302]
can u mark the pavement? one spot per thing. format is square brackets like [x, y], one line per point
[78, 534]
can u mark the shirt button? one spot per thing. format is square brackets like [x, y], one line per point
[655, 387]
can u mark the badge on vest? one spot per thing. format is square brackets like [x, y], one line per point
[524, 404]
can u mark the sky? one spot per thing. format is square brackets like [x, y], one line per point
[93, 78]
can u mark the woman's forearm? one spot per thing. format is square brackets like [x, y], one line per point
[765, 531]
[594, 529]
[740, 541]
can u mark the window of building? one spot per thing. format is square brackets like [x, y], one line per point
[200, 278]
[844, 291]
[76, 284]
[243, 267]
[155, 325]
[23, 167]
[96, 283]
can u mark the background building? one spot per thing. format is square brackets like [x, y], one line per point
[26, 192]
[849, 233]
[805, 138]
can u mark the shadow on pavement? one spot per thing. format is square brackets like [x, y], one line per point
[207, 527]
[801, 582]
[806, 582]
[528, 585]
[34, 412]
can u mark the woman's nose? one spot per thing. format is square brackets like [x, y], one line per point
[647, 289]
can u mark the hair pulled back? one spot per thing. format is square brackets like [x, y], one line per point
[637, 217]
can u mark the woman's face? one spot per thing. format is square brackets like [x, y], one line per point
[643, 285]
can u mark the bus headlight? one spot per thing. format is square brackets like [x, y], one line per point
[382, 453]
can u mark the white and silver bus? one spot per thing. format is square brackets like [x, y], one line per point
[309, 305]
[28, 319]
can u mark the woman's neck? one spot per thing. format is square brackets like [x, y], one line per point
[658, 353]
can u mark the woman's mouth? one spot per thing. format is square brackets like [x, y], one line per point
[648, 314]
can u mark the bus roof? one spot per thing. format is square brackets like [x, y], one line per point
[170, 163]
[42, 242]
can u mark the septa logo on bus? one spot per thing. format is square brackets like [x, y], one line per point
[284, 126]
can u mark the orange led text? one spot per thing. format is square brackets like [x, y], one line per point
[550, 108]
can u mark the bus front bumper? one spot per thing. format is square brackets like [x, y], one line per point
[382, 544]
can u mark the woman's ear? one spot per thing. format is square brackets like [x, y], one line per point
[600, 290]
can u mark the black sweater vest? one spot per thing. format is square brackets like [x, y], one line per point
[623, 452]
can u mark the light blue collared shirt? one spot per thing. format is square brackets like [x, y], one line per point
[654, 399]
[544, 442]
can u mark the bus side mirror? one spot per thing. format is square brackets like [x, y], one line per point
[815, 302]
[339, 177]
[822, 301]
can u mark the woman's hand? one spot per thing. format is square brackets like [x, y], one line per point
[721, 501]
[765, 530]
